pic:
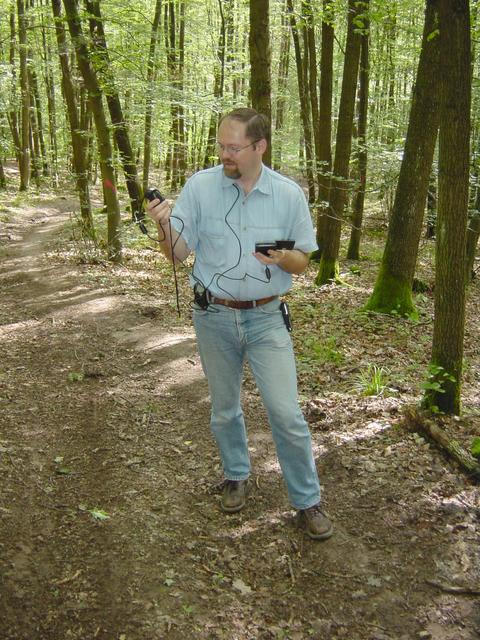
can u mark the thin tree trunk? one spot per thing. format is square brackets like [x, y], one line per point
[120, 130]
[453, 157]
[149, 99]
[25, 98]
[473, 233]
[218, 87]
[282, 83]
[328, 269]
[12, 113]
[393, 288]
[304, 104]
[260, 64]
[103, 134]
[50, 90]
[353, 252]
[324, 159]
[77, 132]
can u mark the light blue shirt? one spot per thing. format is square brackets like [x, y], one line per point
[221, 225]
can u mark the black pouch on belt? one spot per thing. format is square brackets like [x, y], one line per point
[286, 315]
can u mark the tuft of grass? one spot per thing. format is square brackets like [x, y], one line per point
[373, 381]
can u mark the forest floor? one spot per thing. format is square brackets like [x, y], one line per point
[110, 525]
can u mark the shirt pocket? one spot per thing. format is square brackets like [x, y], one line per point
[211, 245]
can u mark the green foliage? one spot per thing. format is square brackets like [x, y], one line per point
[372, 381]
[317, 351]
[437, 378]
[475, 448]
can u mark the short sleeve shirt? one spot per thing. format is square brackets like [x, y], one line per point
[222, 225]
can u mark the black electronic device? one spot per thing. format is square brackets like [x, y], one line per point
[263, 247]
[285, 244]
[152, 193]
[286, 315]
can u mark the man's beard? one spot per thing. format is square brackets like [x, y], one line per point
[232, 172]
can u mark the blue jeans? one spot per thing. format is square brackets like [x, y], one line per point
[226, 337]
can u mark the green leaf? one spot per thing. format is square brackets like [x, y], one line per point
[475, 448]
[98, 514]
[63, 471]
[75, 376]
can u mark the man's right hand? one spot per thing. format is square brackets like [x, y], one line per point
[168, 237]
[160, 212]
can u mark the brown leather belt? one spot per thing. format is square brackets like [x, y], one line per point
[240, 304]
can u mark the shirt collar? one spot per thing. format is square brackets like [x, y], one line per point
[263, 183]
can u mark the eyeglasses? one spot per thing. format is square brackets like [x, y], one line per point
[231, 149]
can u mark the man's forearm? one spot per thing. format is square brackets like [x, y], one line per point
[167, 241]
[294, 261]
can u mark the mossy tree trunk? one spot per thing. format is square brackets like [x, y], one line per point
[393, 288]
[328, 269]
[454, 154]
[105, 150]
[260, 63]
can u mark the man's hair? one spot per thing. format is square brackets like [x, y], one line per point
[258, 125]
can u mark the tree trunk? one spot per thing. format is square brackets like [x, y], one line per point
[174, 36]
[393, 288]
[324, 159]
[120, 130]
[283, 65]
[218, 87]
[304, 104]
[260, 64]
[50, 91]
[3, 179]
[25, 94]
[12, 114]
[103, 135]
[149, 99]
[473, 233]
[453, 157]
[353, 252]
[328, 269]
[77, 133]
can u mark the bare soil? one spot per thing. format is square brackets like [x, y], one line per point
[110, 525]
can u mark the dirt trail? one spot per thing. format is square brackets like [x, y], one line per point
[109, 521]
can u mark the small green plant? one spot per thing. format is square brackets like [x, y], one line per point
[317, 351]
[475, 448]
[437, 378]
[373, 381]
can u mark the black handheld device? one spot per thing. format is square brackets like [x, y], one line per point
[263, 247]
[152, 193]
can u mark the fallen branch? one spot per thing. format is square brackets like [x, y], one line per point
[451, 588]
[427, 427]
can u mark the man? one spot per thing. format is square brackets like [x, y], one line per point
[220, 215]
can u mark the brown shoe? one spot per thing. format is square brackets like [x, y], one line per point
[315, 522]
[234, 495]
